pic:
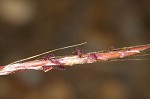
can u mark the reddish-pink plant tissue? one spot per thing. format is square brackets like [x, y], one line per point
[50, 62]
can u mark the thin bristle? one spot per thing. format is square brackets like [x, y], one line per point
[35, 56]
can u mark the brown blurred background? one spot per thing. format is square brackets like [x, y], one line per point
[29, 27]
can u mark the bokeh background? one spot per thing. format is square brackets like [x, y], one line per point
[29, 27]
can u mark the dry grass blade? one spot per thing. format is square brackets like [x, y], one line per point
[69, 60]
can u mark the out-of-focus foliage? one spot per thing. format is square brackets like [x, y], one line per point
[29, 27]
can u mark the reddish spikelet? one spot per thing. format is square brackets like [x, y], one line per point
[78, 52]
[93, 57]
[52, 58]
[62, 62]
